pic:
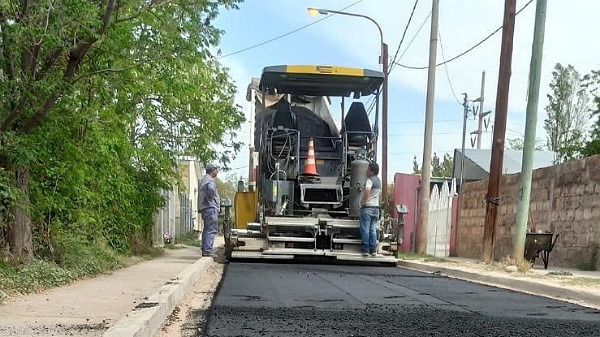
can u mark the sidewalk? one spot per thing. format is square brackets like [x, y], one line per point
[142, 294]
[575, 286]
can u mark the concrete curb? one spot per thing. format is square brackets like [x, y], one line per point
[147, 317]
[550, 291]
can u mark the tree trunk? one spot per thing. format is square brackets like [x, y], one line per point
[18, 233]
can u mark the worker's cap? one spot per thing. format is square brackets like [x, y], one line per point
[210, 168]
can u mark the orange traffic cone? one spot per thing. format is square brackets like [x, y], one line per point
[310, 166]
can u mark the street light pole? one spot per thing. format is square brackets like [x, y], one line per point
[383, 60]
[384, 127]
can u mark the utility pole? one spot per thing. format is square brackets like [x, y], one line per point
[421, 242]
[384, 122]
[479, 132]
[496, 162]
[464, 135]
[481, 115]
[533, 94]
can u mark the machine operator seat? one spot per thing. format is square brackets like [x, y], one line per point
[357, 120]
[283, 118]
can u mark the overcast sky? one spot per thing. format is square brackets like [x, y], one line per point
[571, 28]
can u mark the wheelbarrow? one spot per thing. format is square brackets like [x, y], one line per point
[537, 244]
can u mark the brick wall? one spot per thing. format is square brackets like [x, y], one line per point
[565, 199]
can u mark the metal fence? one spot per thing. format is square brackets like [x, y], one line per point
[186, 218]
[175, 219]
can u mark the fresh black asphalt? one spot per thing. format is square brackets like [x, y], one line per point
[328, 300]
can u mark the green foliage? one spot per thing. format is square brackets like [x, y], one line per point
[8, 195]
[76, 261]
[416, 167]
[188, 239]
[517, 144]
[592, 147]
[227, 186]
[440, 168]
[97, 101]
[568, 107]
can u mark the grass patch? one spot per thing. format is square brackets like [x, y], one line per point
[173, 246]
[183, 240]
[559, 273]
[522, 265]
[73, 259]
[436, 259]
[410, 256]
[424, 257]
[149, 254]
[43, 274]
[584, 281]
[188, 239]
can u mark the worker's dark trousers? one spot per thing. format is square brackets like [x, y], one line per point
[210, 218]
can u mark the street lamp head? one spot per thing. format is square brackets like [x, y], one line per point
[316, 11]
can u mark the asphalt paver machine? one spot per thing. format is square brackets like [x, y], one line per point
[306, 174]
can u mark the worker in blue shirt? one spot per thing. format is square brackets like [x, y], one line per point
[209, 204]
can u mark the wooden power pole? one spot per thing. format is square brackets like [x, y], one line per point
[496, 163]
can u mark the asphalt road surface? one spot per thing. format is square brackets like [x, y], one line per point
[324, 300]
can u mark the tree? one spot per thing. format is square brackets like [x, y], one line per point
[517, 144]
[141, 69]
[592, 147]
[567, 112]
[440, 168]
[227, 186]
[416, 167]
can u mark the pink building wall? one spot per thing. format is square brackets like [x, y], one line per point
[405, 193]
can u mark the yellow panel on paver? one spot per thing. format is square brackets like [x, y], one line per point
[245, 209]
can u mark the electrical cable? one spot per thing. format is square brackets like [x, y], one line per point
[468, 50]
[411, 40]
[286, 34]
[403, 35]
[446, 69]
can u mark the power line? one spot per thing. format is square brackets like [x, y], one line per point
[421, 133]
[372, 104]
[468, 50]
[413, 38]
[413, 152]
[446, 68]
[515, 131]
[418, 122]
[403, 35]
[286, 34]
